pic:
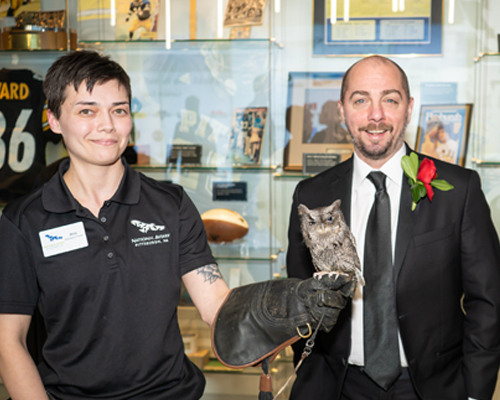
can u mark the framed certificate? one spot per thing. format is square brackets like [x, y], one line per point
[374, 28]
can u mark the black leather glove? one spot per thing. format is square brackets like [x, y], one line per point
[259, 320]
[326, 295]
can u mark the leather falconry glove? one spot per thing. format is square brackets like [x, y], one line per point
[257, 321]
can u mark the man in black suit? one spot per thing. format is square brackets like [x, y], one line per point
[445, 255]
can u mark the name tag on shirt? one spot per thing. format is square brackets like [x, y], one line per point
[63, 239]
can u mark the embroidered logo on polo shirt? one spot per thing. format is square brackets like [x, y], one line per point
[145, 227]
[152, 239]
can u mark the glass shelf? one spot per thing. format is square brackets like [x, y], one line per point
[34, 51]
[180, 44]
[204, 168]
[271, 40]
[485, 55]
[485, 164]
[291, 175]
[156, 43]
[243, 252]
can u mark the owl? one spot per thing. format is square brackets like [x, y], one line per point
[330, 241]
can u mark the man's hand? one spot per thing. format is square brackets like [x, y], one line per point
[328, 295]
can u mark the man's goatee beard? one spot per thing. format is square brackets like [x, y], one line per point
[381, 153]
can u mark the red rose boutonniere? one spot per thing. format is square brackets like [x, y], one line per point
[422, 178]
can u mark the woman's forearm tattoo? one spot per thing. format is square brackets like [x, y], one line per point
[210, 272]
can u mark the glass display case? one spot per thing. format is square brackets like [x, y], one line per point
[192, 96]
[485, 147]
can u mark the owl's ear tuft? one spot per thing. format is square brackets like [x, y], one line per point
[302, 209]
[336, 204]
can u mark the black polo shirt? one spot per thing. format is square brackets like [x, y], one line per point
[107, 287]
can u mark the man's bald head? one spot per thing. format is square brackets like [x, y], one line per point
[375, 59]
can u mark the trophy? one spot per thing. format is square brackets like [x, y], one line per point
[34, 30]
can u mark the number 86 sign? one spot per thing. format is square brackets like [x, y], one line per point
[21, 142]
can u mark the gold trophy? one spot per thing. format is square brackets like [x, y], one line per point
[42, 30]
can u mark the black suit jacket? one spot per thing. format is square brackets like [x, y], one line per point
[445, 250]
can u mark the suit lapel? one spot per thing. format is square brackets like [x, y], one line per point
[340, 188]
[406, 222]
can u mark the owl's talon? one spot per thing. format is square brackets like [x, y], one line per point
[320, 274]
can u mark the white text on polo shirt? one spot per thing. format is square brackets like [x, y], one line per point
[150, 240]
[145, 227]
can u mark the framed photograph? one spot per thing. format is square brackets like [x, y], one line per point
[244, 12]
[7, 7]
[374, 28]
[247, 135]
[443, 132]
[240, 32]
[313, 120]
[137, 20]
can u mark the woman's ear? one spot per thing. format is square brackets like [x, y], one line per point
[53, 122]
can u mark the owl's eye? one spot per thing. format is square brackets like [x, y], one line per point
[330, 219]
[312, 222]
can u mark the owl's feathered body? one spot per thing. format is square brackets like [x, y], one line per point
[330, 241]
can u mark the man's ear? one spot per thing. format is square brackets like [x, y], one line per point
[53, 122]
[410, 109]
[341, 110]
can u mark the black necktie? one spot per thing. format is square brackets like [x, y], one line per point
[382, 362]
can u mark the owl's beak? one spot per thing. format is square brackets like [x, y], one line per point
[323, 227]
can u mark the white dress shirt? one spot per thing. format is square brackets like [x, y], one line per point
[362, 197]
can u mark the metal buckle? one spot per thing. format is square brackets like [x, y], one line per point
[309, 333]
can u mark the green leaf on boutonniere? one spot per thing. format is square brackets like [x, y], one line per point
[410, 166]
[442, 185]
[421, 190]
[417, 191]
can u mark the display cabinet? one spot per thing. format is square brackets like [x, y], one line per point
[485, 148]
[189, 96]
